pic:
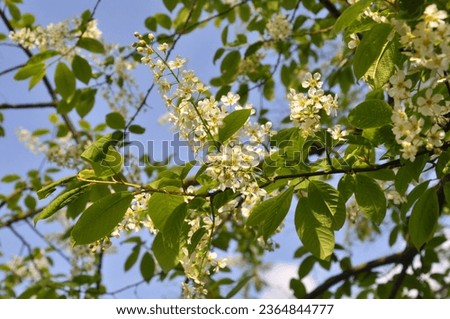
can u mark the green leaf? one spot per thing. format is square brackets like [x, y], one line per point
[64, 81]
[410, 9]
[253, 48]
[410, 172]
[82, 69]
[170, 4]
[350, 15]
[269, 89]
[241, 283]
[232, 123]
[35, 79]
[30, 202]
[100, 218]
[166, 256]
[132, 258]
[96, 152]
[85, 101]
[59, 202]
[224, 36]
[163, 20]
[42, 56]
[76, 207]
[150, 23]
[29, 70]
[147, 266]
[370, 48]
[370, 113]
[269, 214]
[91, 44]
[382, 174]
[314, 230]
[424, 218]
[323, 198]
[442, 164]
[50, 188]
[115, 120]
[10, 178]
[110, 165]
[230, 65]
[14, 11]
[218, 54]
[384, 66]
[447, 193]
[172, 232]
[370, 198]
[160, 206]
[136, 129]
[346, 187]
[413, 196]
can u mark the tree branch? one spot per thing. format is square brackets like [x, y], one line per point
[399, 281]
[6, 106]
[372, 168]
[331, 8]
[18, 218]
[27, 245]
[397, 258]
[49, 243]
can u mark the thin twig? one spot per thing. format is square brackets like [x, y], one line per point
[40, 235]
[408, 253]
[39, 105]
[331, 8]
[12, 69]
[19, 218]
[27, 245]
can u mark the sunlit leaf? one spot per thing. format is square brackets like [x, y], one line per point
[91, 44]
[100, 218]
[314, 230]
[61, 201]
[370, 48]
[64, 81]
[269, 214]
[350, 15]
[424, 217]
[370, 113]
[232, 123]
[370, 198]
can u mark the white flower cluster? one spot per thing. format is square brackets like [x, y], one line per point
[29, 268]
[279, 27]
[198, 120]
[132, 220]
[121, 89]
[54, 36]
[306, 108]
[63, 151]
[418, 117]
[428, 44]
[202, 262]
[231, 163]
[395, 197]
